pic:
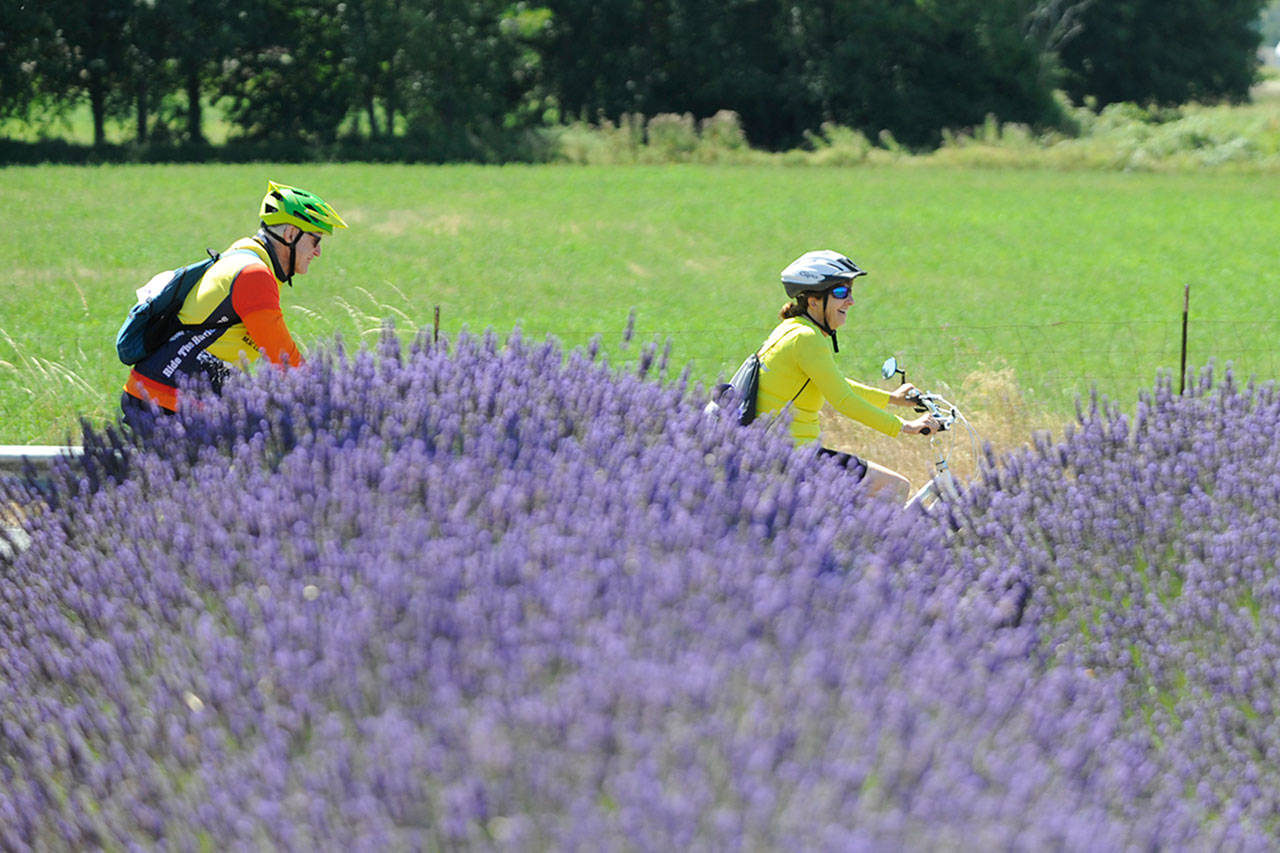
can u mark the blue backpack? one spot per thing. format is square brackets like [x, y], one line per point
[154, 319]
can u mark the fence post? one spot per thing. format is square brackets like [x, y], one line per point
[1186, 309]
[435, 332]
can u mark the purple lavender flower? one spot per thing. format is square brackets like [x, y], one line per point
[496, 594]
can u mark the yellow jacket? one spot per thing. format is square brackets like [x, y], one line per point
[797, 350]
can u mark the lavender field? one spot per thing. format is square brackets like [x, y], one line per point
[492, 594]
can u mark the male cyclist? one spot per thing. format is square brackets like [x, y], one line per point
[798, 367]
[234, 310]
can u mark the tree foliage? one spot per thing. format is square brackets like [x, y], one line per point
[914, 68]
[462, 79]
[84, 53]
[293, 80]
[22, 35]
[1166, 52]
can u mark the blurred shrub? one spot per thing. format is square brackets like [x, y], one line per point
[722, 134]
[837, 146]
[664, 138]
[671, 137]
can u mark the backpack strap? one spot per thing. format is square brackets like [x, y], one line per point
[761, 352]
[215, 257]
[764, 350]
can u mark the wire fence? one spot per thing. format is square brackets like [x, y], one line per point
[1054, 362]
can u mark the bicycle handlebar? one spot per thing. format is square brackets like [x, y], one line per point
[929, 402]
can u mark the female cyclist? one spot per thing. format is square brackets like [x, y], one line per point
[798, 367]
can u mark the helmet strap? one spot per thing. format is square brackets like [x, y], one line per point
[822, 324]
[287, 278]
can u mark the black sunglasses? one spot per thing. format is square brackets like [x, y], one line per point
[841, 291]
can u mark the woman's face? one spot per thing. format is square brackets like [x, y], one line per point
[837, 309]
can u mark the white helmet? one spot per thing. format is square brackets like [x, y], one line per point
[817, 271]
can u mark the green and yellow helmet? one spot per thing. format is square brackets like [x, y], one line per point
[285, 205]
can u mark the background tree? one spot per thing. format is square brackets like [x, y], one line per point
[599, 56]
[1166, 52]
[145, 80]
[87, 54]
[292, 78]
[198, 38]
[915, 68]
[465, 78]
[23, 34]
[373, 35]
[461, 93]
[911, 67]
[733, 56]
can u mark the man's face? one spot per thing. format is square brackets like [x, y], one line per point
[308, 248]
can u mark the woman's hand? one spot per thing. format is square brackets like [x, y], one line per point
[904, 396]
[909, 395]
[920, 424]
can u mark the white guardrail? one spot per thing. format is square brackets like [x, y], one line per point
[13, 457]
[13, 461]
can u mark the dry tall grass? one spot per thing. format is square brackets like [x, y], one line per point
[995, 407]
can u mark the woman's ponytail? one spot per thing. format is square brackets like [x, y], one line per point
[798, 308]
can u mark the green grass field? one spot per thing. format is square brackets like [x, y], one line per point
[1061, 280]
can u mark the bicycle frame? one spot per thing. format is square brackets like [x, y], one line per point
[942, 485]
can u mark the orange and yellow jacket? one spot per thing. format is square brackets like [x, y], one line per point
[232, 313]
